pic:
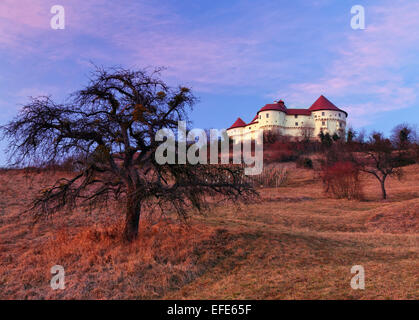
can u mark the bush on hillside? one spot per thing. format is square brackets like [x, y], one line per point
[306, 163]
[341, 180]
[279, 152]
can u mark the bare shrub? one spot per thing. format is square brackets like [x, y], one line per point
[341, 180]
[280, 152]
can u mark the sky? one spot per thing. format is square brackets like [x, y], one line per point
[236, 55]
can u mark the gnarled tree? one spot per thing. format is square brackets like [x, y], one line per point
[111, 126]
[379, 159]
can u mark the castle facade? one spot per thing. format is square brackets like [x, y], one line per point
[322, 116]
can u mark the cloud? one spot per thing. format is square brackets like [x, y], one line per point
[240, 48]
[209, 56]
[371, 65]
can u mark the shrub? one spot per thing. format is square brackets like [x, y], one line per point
[341, 180]
[279, 152]
[304, 163]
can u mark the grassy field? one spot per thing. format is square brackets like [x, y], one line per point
[293, 243]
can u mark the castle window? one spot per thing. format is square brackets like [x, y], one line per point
[296, 116]
[267, 115]
[323, 123]
[296, 124]
[339, 115]
[322, 113]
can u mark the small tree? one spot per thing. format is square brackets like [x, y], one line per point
[111, 125]
[403, 135]
[325, 139]
[350, 135]
[270, 137]
[335, 137]
[360, 136]
[379, 160]
[404, 139]
[306, 134]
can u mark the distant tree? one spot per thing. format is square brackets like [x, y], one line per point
[111, 125]
[350, 135]
[335, 137]
[306, 134]
[325, 139]
[360, 137]
[403, 135]
[269, 137]
[272, 136]
[379, 160]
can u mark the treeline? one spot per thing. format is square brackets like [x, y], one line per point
[341, 160]
[338, 160]
[66, 164]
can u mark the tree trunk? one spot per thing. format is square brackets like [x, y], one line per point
[132, 220]
[383, 189]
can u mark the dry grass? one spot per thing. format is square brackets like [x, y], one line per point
[293, 244]
[273, 177]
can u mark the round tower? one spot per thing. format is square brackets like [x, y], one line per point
[327, 117]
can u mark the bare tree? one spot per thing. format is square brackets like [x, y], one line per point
[306, 134]
[360, 136]
[111, 126]
[350, 135]
[403, 135]
[380, 160]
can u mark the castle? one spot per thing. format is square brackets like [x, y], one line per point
[322, 116]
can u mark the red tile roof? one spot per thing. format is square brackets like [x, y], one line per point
[279, 106]
[238, 124]
[254, 120]
[303, 112]
[322, 103]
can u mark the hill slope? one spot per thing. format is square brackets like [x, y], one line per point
[293, 244]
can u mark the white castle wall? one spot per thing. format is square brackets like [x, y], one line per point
[329, 122]
[325, 120]
[271, 118]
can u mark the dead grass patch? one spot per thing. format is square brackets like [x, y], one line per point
[295, 243]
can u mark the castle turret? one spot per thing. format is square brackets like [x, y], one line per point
[236, 129]
[272, 116]
[327, 117]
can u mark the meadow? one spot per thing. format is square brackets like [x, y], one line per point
[292, 243]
